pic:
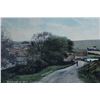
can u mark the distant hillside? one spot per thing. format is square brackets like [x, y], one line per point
[84, 44]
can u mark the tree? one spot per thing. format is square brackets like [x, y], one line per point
[6, 44]
[54, 48]
[38, 41]
[49, 48]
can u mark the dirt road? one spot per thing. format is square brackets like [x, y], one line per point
[67, 75]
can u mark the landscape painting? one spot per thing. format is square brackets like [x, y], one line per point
[50, 50]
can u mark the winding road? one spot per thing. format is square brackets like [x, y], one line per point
[66, 75]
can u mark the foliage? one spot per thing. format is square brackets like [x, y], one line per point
[49, 48]
[90, 73]
[6, 44]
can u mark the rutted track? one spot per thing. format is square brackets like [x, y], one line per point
[67, 75]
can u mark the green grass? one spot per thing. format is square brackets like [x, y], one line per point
[37, 76]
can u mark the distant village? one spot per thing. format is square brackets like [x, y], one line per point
[18, 54]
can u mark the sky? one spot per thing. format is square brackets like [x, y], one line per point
[22, 29]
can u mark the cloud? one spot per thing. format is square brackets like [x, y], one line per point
[75, 32]
[73, 28]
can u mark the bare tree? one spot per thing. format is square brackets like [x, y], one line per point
[6, 44]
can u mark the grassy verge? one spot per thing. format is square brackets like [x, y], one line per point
[37, 76]
[90, 73]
